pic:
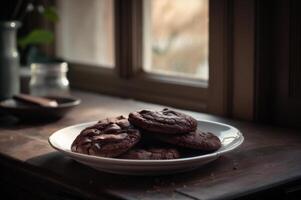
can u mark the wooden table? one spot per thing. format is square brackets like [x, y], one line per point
[267, 164]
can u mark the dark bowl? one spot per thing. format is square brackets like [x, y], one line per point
[29, 112]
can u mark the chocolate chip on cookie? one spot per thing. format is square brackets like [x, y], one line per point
[151, 154]
[114, 122]
[110, 137]
[165, 121]
[194, 140]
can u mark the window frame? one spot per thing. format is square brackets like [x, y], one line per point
[127, 79]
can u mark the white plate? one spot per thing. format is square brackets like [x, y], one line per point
[231, 138]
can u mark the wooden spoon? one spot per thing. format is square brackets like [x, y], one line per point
[41, 101]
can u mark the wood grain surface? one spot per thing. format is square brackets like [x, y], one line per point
[269, 158]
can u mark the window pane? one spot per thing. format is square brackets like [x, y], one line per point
[85, 32]
[176, 37]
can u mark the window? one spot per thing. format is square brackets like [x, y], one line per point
[151, 50]
[176, 41]
[85, 32]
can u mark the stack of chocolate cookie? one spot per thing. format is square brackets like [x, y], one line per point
[146, 135]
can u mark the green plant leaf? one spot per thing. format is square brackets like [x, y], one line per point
[51, 14]
[36, 36]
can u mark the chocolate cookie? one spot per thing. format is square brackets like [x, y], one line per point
[108, 138]
[151, 154]
[194, 140]
[165, 121]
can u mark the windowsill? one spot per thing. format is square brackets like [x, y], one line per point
[186, 94]
[266, 160]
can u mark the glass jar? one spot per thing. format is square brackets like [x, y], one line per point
[49, 79]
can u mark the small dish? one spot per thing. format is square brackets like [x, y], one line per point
[27, 111]
[230, 137]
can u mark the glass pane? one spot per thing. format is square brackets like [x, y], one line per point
[176, 34]
[85, 32]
